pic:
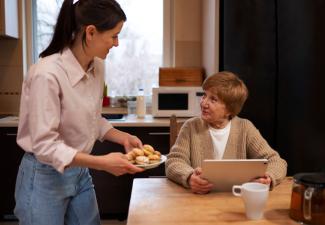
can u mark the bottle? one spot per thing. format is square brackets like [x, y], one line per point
[141, 104]
[105, 97]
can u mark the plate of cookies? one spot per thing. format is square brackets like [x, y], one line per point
[147, 157]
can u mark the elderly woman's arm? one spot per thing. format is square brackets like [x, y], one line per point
[257, 147]
[178, 164]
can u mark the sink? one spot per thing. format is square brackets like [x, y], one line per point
[114, 117]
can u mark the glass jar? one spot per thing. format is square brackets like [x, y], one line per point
[308, 198]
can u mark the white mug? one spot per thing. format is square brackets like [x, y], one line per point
[254, 196]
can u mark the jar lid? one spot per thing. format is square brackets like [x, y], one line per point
[316, 180]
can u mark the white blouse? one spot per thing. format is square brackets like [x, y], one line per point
[60, 109]
[219, 140]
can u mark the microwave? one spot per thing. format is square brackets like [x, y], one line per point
[181, 101]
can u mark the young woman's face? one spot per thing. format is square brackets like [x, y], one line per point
[99, 43]
[213, 110]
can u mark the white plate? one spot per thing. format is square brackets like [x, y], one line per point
[153, 165]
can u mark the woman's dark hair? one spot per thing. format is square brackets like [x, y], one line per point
[103, 14]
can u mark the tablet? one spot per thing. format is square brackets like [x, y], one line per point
[225, 173]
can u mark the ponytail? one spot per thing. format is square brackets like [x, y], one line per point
[103, 14]
[64, 28]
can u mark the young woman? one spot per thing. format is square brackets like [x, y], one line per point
[60, 119]
[220, 134]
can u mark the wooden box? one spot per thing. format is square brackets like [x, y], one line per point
[181, 76]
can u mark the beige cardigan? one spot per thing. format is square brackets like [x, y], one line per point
[194, 144]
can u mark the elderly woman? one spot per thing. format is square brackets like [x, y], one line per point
[220, 134]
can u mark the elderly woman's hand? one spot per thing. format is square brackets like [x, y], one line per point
[266, 179]
[198, 184]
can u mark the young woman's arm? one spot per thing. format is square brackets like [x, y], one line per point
[127, 140]
[115, 163]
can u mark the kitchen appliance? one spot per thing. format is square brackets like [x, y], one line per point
[308, 198]
[181, 101]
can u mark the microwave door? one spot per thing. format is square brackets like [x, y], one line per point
[173, 101]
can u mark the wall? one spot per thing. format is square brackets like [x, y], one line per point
[187, 33]
[278, 48]
[210, 36]
[248, 42]
[301, 94]
[11, 71]
[196, 34]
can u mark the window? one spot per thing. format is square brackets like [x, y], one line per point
[135, 62]
[44, 20]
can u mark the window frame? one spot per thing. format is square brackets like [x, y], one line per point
[30, 22]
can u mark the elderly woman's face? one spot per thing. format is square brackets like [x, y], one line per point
[213, 110]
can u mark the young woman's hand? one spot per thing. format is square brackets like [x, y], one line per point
[131, 142]
[127, 140]
[117, 164]
[197, 184]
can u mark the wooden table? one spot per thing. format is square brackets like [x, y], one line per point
[160, 201]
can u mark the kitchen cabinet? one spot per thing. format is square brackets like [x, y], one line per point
[9, 18]
[11, 157]
[113, 193]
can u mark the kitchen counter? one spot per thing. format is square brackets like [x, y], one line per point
[133, 121]
[9, 121]
[125, 121]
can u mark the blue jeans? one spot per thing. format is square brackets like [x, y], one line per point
[45, 196]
